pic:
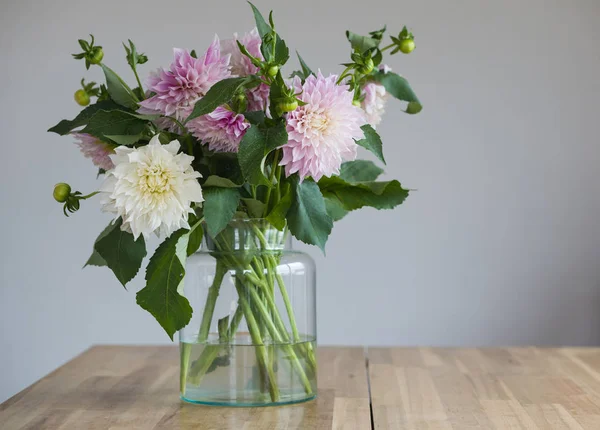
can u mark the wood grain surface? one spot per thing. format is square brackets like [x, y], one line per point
[126, 387]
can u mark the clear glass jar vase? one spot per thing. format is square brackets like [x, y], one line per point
[252, 337]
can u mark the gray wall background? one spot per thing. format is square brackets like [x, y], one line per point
[499, 246]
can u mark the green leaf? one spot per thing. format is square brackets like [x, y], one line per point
[277, 215]
[164, 274]
[66, 126]
[256, 208]
[398, 87]
[361, 43]
[121, 252]
[305, 69]
[217, 181]
[307, 217]
[195, 240]
[256, 144]
[261, 24]
[124, 139]
[118, 90]
[256, 117]
[219, 207]
[96, 259]
[114, 123]
[379, 195]
[372, 142]
[334, 207]
[359, 170]
[219, 94]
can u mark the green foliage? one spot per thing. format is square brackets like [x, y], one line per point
[334, 207]
[118, 90]
[372, 142]
[352, 196]
[274, 50]
[133, 57]
[261, 25]
[164, 275]
[279, 212]
[398, 87]
[65, 126]
[306, 71]
[219, 206]
[220, 93]
[124, 127]
[360, 43]
[121, 252]
[254, 148]
[307, 217]
[96, 259]
[217, 181]
[359, 170]
[255, 207]
[195, 239]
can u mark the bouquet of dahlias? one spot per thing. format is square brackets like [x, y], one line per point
[230, 135]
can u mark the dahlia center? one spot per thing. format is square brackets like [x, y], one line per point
[318, 121]
[155, 179]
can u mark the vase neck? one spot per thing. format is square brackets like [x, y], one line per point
[249, 235]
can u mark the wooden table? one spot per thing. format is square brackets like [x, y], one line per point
[122, 387]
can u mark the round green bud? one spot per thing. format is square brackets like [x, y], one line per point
[288, 106]
[82, 98]
[356, 103]
[272, 72]
[407, 46]
[96, 55]
[367, 67]
[61, 192]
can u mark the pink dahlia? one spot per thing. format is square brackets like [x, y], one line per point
[375, 99]
[95, 149]
[321, 133]
[221, 129]
[242, 66]
[187, 80]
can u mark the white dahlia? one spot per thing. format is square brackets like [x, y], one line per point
[151, 188]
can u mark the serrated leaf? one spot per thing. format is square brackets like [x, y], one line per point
[256, 144]
[219, 206]
[305, 69]
[195, 240]
[261, 25]
[217, 181]
[118, 90]
[379, 195]
[66, 126]
[114, 123]
[307, 217]
[96, 259]
[399, 87]
[277, 215]
[361, 43]
[121, 252]
[124, 139]
[219, 94]
[371, 142]
[256, 208]
[256, 117]
[359, 170]
[334, 207]
[164, 274]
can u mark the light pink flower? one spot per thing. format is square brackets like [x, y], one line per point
[321, 133]
[374, 102]
[187, 80]
[221, 129]
[95, 149]
[242, 66]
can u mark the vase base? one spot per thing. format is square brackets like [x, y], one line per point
[247, 404]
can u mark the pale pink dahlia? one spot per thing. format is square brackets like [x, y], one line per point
[321, 133]
[221, 129]
[242, 66]
[95, 149]
[375, 99]
[187, 80]
[374, 102]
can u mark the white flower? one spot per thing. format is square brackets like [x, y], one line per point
[374, 103]
[151, 188]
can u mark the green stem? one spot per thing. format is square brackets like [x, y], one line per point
[391, 45]
[137, 78]
[211, 299]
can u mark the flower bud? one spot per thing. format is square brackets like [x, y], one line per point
[61, 192]
[82, 98]
[356, 103]
[367, 66]
[288, 106]
[96, 55]
[407, 46]
[272, 72]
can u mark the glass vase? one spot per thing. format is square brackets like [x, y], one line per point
[252, 338]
